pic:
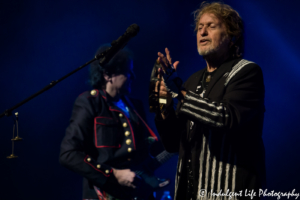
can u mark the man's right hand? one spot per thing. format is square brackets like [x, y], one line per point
[125, 177]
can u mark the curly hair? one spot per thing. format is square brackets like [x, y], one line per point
[232, 20]
[117, 65]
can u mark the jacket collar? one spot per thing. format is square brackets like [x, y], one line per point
[125, 99]
[225, 67]
[103, 94]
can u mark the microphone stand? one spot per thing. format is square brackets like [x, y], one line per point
[105, 57]
[8, 112]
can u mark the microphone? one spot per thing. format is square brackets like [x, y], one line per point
[117, 45]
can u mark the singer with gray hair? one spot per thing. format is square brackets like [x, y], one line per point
[217, 127]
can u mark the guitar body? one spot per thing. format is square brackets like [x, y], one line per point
[146, 183]
[143, 191]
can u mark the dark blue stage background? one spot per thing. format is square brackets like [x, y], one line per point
[42, 40]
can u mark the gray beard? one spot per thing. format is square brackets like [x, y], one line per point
[207, 52]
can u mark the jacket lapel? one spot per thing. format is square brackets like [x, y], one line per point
[225, 67]
[131, 107]
[193, 84]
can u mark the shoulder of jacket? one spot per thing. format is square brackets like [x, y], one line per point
[92, 99]
[242, 65]
[91, 95]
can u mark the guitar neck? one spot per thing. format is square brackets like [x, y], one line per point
[164, 157]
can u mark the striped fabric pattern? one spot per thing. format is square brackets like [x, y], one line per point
[216, 175]
[218, 170]
[211, 113]
[179, 165]
[236, 68]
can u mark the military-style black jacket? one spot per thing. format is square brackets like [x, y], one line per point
[222, 133]
[100, 137]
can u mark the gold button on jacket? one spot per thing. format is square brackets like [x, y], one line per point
[128, 141]
[129, 149]
[124, 124]
[127, 133]
[121, 115]
[93, 92]
[89, 159]
[107, 171]
[98, 166]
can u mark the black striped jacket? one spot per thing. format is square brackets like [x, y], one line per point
[225, 143]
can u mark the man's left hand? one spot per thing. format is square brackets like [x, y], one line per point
[172, 81]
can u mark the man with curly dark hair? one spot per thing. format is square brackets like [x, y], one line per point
[107, 140]
[217, 128]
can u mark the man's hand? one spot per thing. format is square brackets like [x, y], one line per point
[166, 62]
[125, 177]
[172, 81]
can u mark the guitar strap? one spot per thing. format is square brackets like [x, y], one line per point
[99, 194]
[149, 129]
[104, 195]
